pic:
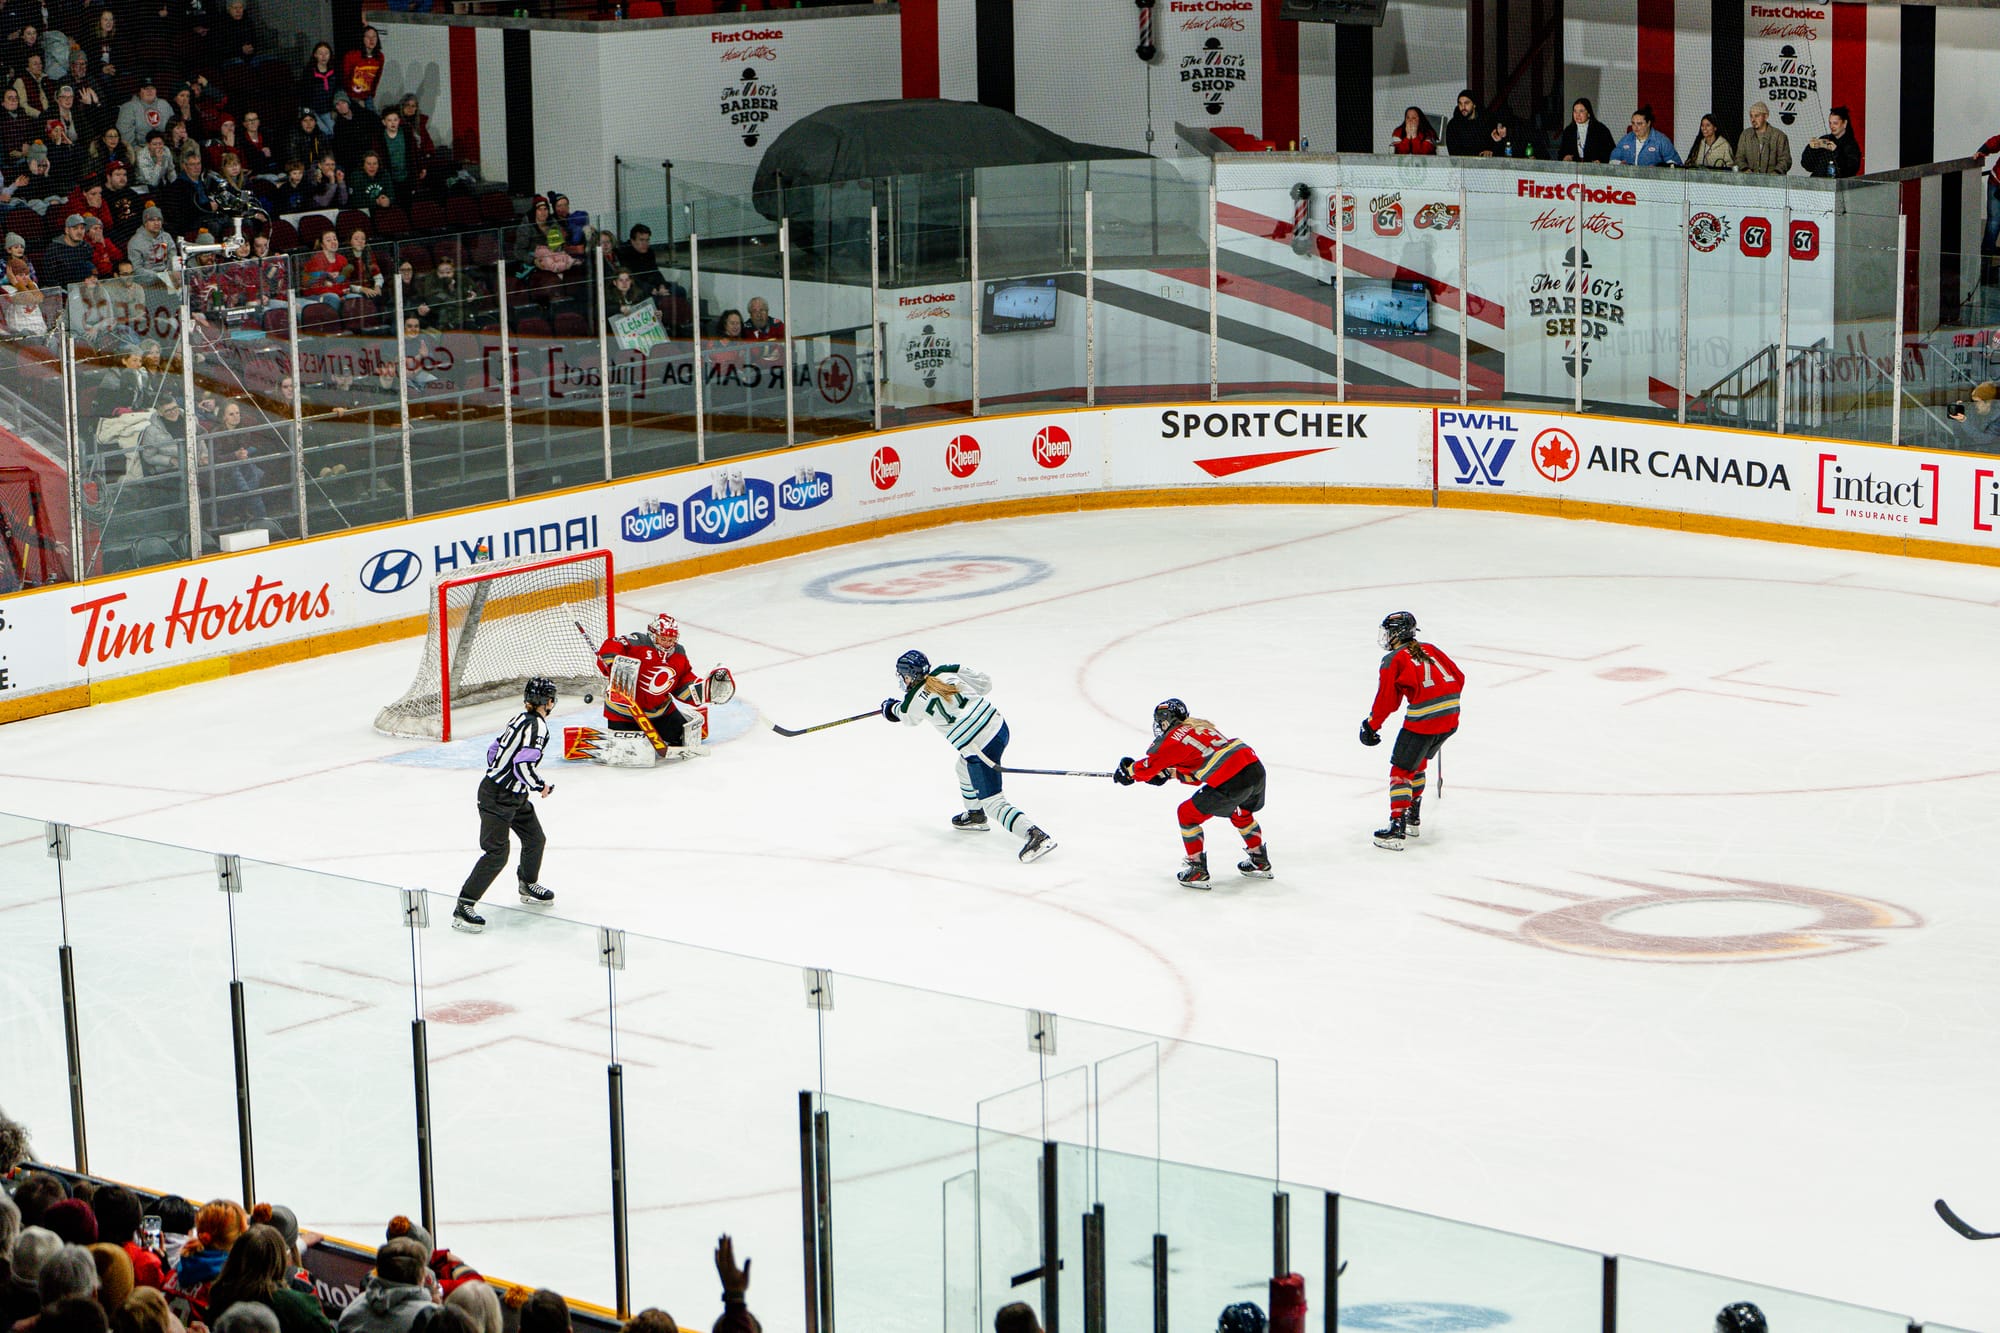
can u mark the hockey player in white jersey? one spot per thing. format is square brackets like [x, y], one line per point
[953, 699]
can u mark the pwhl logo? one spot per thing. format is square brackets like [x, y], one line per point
[1480, 458]
[961, 456]
[391, 571]
[648, 521]
[1684, 922]
[732, 508]
[805, 489]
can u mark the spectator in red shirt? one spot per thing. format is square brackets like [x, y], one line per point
[1416, 136]
[361, 71]
[760, 327]
[118, 1214]
[327, 274]
[104, 252]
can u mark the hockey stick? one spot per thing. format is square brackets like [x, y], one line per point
[1958, 1224]
[822, 726]
[638, 714]
[1056, 772]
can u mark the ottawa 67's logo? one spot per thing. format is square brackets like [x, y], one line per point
[1706, 231]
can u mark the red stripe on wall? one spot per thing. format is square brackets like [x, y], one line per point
[1656, 69]
[920, 48]
[1912, 198]
[1281, 79]
[464, 64]
[1850, 69]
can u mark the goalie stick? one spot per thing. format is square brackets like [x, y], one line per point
[611, 686]
[822, 726]
[1959, 1224]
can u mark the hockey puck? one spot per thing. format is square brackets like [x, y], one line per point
[590, 698]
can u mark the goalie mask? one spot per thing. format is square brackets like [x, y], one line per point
[1398, 628]
[666, 632]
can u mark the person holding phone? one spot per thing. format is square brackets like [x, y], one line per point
[122, 1220]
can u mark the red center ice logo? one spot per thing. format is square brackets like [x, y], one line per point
[1052, 446]
[1555, 454]
[885, 467]
[962, 456]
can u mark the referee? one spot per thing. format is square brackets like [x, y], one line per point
[511, 777]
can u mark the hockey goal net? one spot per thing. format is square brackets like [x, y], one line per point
[496, 625]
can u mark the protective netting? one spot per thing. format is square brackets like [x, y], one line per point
[495, 626]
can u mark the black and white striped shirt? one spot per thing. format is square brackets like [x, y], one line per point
[512, 758]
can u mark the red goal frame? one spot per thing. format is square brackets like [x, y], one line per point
[484, 573]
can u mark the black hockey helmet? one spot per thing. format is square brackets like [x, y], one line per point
[1398, 627]
[539, 690]
[912, 667]
[1242, 1317]
[1740, 1317]
[1168, 714]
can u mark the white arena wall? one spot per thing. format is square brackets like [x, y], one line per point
[77, 644]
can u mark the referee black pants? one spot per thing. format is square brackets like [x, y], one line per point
[501, 812]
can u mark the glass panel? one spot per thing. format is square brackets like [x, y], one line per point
[34, 1065]
[1399, 247]
[338, 997]
[1522, 279]
[242, 424]
[558, 408]
[150, 930]
[701, 1161]
[135, 497]
[926, 301]
[1277, 334]
[743, 384]
[1126, 1174]
[1736, 228]
[1151, 233]
[1010, 1201]
[833, 385]
[1218, 1229]
[969, 1048]
[652, 381]
[1655, 1297]
[1398, 1259]
[889, 1172]
[519, 1046]
[1628, 290]
[1847, 384]
[1030, 285]
[34, 482]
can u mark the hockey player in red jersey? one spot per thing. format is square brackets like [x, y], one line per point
[1228, 778]
[665, 688]
[1420, 675]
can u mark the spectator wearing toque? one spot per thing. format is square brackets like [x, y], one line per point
[1763, 149]
[21, 1298]
[221, 1222]
[395, 1293]
[1710, 149]
[1644, 146]
[145, 1311]
[144, 113]
[308, 142]
[115, 1282]
[259, 1267]
[118, 1209]
[1465, 130]
[1585, 138]
[151, 250]
[1416, 136]
[70, 1219]
[36, 184]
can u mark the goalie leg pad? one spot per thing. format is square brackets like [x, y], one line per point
[625, 749]
[580, 743]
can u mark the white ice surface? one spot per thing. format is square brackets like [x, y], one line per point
[1645, 711]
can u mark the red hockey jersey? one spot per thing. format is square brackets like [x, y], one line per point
[1197, 754]
[1430, 688]
[661, 675]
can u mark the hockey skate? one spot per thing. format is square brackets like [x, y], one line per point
[972, 821]
[1390, 839]
[465, 919]
[1194, 872]
[1258, 864]
[535, 895]
[1038, 845]
[1413, 821]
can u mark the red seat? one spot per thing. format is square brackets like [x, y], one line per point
[485, 249]
[426, 216]
[419, 256]
[676, 313]
[496, 210]
[570, 324]
[312, 228]
[461, 213]
[316, 316]
[278, 321]
[533, 326]
[284, 236]
[391, 221]
[356, 311]
[646, 9]
[350, 220]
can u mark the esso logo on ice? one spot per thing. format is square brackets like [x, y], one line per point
[962, 456]
[1052, 446]
[885, 467]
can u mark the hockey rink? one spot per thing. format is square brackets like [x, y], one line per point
[1695, 960]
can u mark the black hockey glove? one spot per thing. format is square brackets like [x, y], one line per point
[1369, 736]
[1122, 775]
[889, 711]
[1157, 780]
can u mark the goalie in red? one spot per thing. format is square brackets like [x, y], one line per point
[1422, 675]
[653, 693]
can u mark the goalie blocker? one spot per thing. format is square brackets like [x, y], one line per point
[632, 749]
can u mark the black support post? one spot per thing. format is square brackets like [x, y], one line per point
[1281, 1233]
[240, 1033]
[809, 1208]
[1330, 1306]
[1610, 1317]
[1354, 88]
[1159, 1283]
[1051, 1260]
[823, 1176]
[1093, 1270]
[426, 1182]
[66, 964]
[621, 1253]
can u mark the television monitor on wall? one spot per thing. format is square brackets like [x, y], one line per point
[1388, 308]
[1015, 305]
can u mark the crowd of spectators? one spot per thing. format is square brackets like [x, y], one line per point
[97, 1258]
[1471, 130]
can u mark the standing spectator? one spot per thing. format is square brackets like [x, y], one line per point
[354, 132]
[68, 258]
[234, 36]
[118, 1209]
[1711, 149]
[10, 1220]
[402, 157]
[309, 142]
[145, 1311]
[221, 1222]
[735, 1316]
[1416, 136]
[418, 126]
[258, 1268]
[1017, 1317]
[760, 327]
[317, 85]
[1990, 245]
[1585, 138]
[545, 1312]
[1465, 132]
[156, 164]
[361, 71]
[1644, 146]
[371, 186]
[444, 296]
[177, 1216]
[72, 1221]
[1837, 153]
[248, 1317]
[70, 1271]
[1763, 149]
[483, 1307]
[151, 250]
[395, 1293]
[327, 274]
